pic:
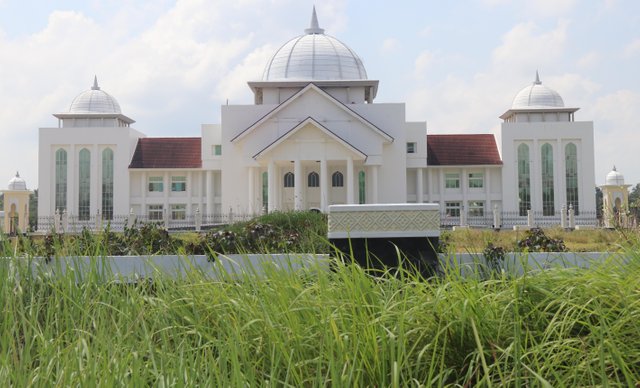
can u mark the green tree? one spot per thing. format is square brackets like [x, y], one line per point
[634, 201]
[33, 209]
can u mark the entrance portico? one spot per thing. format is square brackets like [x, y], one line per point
[303, 184]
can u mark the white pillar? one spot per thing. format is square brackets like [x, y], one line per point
[189, 193]
[563, 217]
[419, 184]
[374, 184]
[209, 192]
[350, 181]
[252, 190]
[324, 185]
[143, 192]
[297, 174]
[271, 175]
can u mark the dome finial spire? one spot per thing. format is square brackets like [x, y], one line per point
[537, 81]
[314, 28]
[95, 83]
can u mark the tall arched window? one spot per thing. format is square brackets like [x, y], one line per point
[547, 180]
[524, 180]
[84, 185]
[107, 184]
[337, 179]
[571, 175]
[61, 180]
[361, 187]
[313, 179]
[289, 180]
[265, 189]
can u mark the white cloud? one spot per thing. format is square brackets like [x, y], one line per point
[522, 47]
[389, 45]
[548, 8]
[632, 48]
[617, 134]
[589, 59]
[421, 64]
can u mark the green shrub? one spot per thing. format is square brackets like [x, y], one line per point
[536, 241]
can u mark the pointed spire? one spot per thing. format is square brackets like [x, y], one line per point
[314, 27]
[95, 83]
[17, 174]
[537, 81]
[614, 168]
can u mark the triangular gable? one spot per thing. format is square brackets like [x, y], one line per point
[337, 102]
[297, 127]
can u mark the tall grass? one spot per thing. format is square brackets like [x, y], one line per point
[565, 327]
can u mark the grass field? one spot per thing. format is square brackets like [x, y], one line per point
[565, 327]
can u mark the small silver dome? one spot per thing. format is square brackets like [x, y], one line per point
[538, 96]
[614, 178]
[314, 56]
[94, 100]
[16, 183]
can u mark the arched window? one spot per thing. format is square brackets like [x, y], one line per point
[547, 180]
[107, 184]
[361, 187]
[337, 179]
[84, 185]
[524, 180]
[571, 175]
[289, 180]
[265, 189]
[61, 180]
[313, 179]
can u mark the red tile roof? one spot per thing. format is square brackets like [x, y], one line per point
[167, 152]
[457, 150]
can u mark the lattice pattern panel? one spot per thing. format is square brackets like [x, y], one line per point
[391, 220]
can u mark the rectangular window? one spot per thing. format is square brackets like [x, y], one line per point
[476, 180]
[476, 209]
[217, 149]
[178, 183]
[411, 148]
[156, 184]
[155, 212]
[452, 181]
[179, 212]
[452, 209]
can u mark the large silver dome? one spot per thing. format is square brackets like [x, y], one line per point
[314, 56]
[538, 96]
[614, 178]
[16, 183]
[94, 100]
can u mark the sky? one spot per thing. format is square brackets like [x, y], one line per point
[456, 64]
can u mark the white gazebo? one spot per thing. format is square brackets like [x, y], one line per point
[16, 206]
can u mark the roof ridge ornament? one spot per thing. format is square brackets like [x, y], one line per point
[537, 81]
[314, 28]
[95, 83]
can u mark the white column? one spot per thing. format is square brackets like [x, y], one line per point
[209, 192]
[297, 196]
[374, 184]
[487, 188]
[430, 184]
[324, 185]
[189, 191]
[350, 182]
[143, 192]
[252, 190]
[167, 190]
[419, 188]
[271, 175]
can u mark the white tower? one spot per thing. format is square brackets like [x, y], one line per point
[548, 156]
[16, 206]
[615, 199]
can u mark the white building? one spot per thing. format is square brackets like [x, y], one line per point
[315, 136]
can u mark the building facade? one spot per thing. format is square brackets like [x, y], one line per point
[313, 137]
